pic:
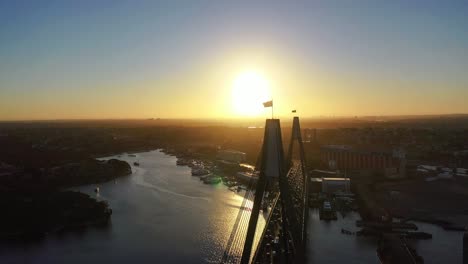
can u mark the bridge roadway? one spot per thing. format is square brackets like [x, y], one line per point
[281, 243]
[270, 248]
[283, 238]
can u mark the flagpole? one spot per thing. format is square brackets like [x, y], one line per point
[271, 111]
[272, 107]
[269, 104]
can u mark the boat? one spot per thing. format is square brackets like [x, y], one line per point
[326, 212]
[419, 235]
[230, 183]
[182, 162]
[195, 164]
[199, 171]
[346, 232]
[212, 180]
[247, 176]
[205, 176]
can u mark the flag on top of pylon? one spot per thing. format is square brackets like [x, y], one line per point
[268, 104]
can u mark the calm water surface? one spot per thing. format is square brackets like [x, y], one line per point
[328, 245]
[161, 214]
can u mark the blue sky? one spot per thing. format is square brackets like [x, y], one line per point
[82, 59]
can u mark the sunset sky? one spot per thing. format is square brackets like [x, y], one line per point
[182, 59]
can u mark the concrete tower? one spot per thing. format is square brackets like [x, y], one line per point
[465, 248]
[272, 167]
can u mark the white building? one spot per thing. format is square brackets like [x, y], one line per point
[231, 155]
[332, 185]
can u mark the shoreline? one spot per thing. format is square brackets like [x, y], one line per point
[55, 212]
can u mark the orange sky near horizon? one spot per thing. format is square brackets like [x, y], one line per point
[208, 94]
[73, 60]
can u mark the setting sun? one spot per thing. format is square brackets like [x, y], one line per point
[249, 90]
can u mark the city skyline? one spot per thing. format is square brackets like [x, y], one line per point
[87, 60]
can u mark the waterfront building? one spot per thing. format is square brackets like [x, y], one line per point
[333, 185]
[347, 158]
[247, 176]
[330, 185]
[310, 135]
[231, 155]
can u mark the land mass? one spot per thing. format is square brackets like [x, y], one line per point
[33, 215]
[35, 203]
[46, 157]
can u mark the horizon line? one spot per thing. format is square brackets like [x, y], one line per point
[239, 118]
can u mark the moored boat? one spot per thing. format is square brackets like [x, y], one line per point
[212, 180]
[182, 162]
[199, 171]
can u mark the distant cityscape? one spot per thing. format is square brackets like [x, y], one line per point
[412, 171]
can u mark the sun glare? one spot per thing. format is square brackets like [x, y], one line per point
[249, 90]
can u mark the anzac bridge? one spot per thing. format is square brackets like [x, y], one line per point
[280, 197]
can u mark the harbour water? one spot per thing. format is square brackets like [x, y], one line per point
[328, 245]
[162, 214]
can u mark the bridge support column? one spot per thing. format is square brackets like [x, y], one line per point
[260, 190]
[272, 167]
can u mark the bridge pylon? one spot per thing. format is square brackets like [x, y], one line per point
[284, 181]
[272, 166]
